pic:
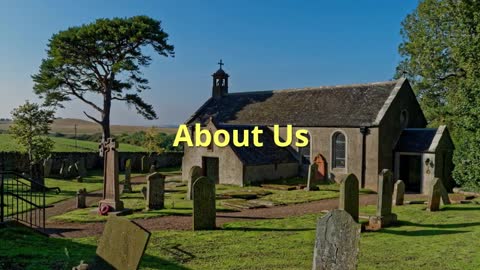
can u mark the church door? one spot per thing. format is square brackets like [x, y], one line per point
[411, 172]
[211, 167]
[322, 167]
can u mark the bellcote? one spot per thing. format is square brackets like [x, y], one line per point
[220, 82]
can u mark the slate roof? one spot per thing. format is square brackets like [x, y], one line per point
[270, 153]
[346, 106]
[417, 140]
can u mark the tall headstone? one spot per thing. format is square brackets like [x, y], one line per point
[47, 167]
[82, 198]
[311, 180]
[204, 212]
[122, 245]
[155, 191]
[337, 242]
[398, 192]
[194, 173]
[111, 194]
[384, 216]
[127, 184]
[435, 195]
[349, 199]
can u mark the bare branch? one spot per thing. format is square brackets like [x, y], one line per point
[92, 118]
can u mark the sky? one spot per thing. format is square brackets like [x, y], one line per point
[265, 45]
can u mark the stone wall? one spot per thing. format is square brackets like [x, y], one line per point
[19, 162]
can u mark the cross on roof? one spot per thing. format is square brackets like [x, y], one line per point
[220, 63]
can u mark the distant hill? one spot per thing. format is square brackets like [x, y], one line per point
[8, 144]
[66, 126]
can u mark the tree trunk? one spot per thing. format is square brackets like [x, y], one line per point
[107, 104]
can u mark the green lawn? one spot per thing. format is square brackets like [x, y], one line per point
[447, 239]
[8, 144]
[68, 188]
[175, 204]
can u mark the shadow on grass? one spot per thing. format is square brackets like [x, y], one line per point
[441, 226]
[247, 229]
[422, 232]
[244, 217]
[57, 253]
[449, 208]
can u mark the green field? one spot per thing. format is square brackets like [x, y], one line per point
[447, 239]
[8, 144]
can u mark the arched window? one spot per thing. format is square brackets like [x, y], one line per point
[338, 150]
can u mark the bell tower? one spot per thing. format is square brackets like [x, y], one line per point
[220, 82]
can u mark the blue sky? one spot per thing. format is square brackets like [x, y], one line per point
[265, 45]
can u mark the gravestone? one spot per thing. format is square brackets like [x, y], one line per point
[204, 212]
[398, 192]
[47, 167]
[155, 191]
[71, 171]
[63, 169]
[311, 180]
[444, 194]
[82, 198]
[349, 199]
[80, 167]
[337, 242]
[435, 195]
[152, 168]
[194, 173]
[127, 185]
[111, 194]
[144, 193]
[145, 164]
[384, 216]
[122, 245]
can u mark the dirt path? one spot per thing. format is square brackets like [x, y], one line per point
[74, 230]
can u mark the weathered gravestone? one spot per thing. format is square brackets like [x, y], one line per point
[435, 195]
[337, 242]
[63, 169]
[398, 192]
[80, 167]
[71, 171]
[311, 180]
[47, 167]
[155, 191]
[127, 184]
[204, 212]
[444, 193]
[121, 245]
[384, 216]
[111, 194]
[81, 198]
[194, 173]
[152, 168]
[349, 199]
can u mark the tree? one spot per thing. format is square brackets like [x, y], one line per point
[441, 57]
[152, 141]
[30, 128]
[100, 62]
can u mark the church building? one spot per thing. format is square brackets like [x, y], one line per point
[358, 128]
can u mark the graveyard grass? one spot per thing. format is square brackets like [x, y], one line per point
[447, 239]
[8, 144]
[175, 204]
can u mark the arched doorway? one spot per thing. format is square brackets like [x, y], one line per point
[322, 167]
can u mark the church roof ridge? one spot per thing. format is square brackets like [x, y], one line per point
[316, 88]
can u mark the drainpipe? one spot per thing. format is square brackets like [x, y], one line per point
[365, 131]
